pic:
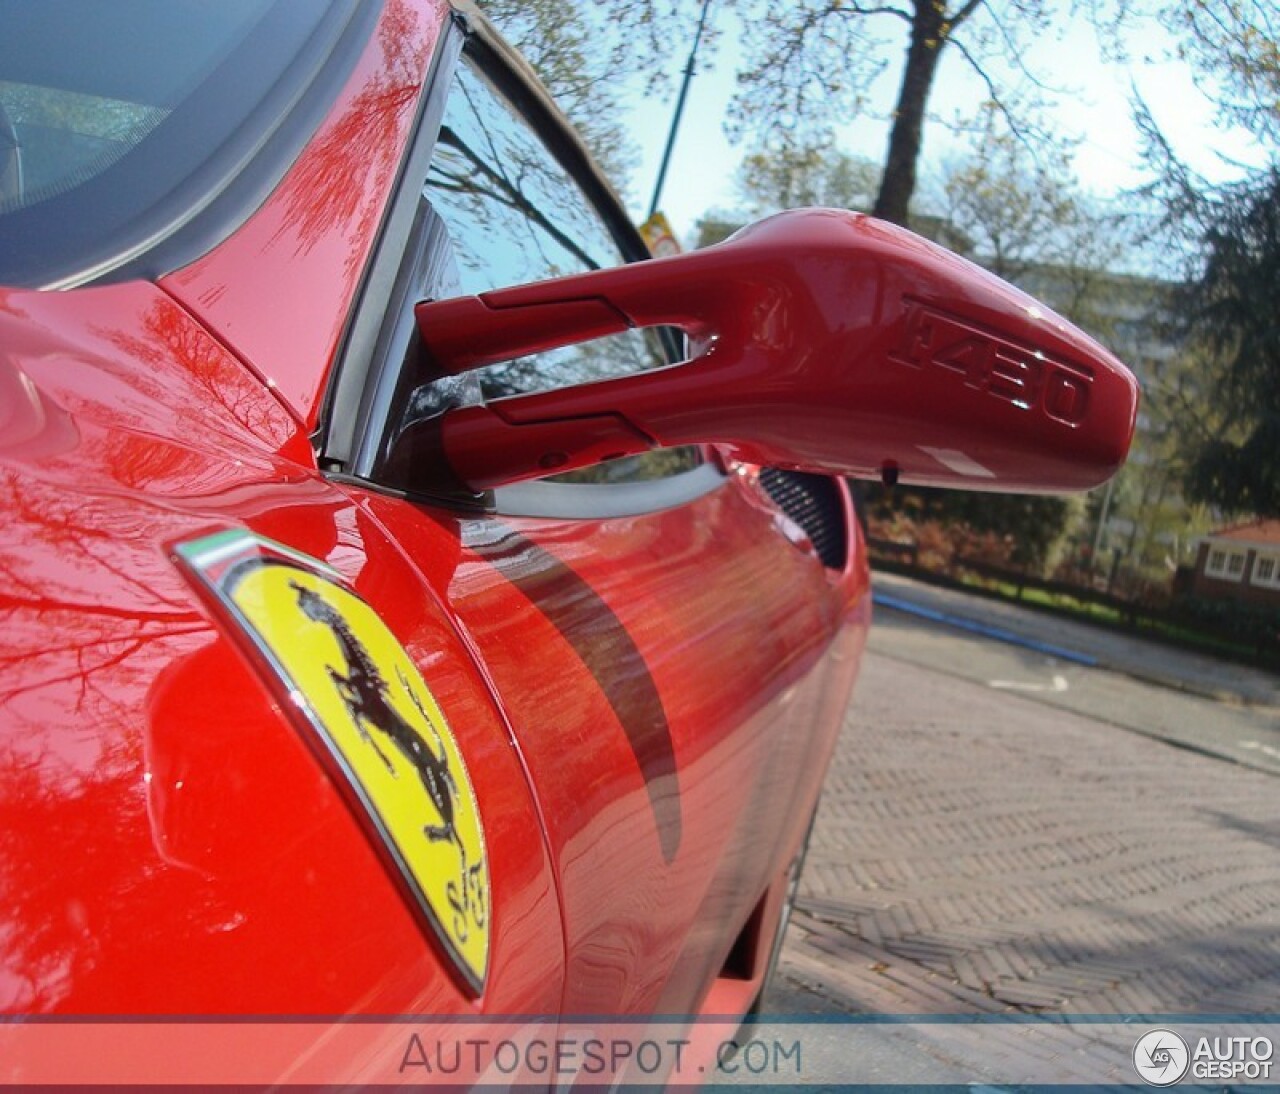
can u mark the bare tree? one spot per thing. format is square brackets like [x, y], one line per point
[806, 175]
[807, 66]
[812, 64]
[1022, 211]
[1236, 44]
[584, 53]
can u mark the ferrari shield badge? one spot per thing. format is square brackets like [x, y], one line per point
[375, 718]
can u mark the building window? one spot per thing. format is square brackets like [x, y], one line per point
[1226, 563]
[1266, 571]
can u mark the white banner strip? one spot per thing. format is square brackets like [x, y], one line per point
[519, 1052]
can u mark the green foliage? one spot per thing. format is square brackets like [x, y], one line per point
[1229, 313]
[806, 175]
[1035, 524]
[1229, 237]
[1256, 625]
[1033, 528]
[716, 228]
[792, 178]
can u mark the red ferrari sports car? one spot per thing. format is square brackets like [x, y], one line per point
[416, 601]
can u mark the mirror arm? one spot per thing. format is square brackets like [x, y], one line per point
[825, 341]
[469, 332]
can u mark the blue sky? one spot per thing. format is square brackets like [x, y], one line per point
[1090, 101]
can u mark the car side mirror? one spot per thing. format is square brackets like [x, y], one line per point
[821, 340]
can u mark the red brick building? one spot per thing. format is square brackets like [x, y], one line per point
[1241, 563]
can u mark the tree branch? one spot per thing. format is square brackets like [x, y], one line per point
[510, 195]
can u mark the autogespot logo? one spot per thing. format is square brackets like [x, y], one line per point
[1161, 1057]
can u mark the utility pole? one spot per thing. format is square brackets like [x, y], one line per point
[675, 120]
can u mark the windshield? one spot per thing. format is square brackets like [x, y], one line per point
[122, 120]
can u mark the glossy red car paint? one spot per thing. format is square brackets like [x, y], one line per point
[672, 795]
[645, 703]
[824, 340]
[172, 842]
[279, 291]
[201, 847]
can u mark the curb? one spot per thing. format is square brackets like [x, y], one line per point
[888, 600]
[999, 634]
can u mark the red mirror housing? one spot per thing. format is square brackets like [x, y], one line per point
[822, 340]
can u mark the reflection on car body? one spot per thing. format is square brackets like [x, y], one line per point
[383, 638]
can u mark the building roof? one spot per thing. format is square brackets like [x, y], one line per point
[1265, 532]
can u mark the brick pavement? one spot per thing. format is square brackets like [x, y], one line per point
[976, 852]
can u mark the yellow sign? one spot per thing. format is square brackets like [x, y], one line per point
[377, 718]
[659, 237]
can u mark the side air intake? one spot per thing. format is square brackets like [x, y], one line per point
[814, 503]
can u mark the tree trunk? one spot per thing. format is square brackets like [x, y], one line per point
[899, 180]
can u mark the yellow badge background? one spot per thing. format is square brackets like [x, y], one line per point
[306, 651]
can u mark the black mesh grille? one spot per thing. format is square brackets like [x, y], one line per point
[813, 502]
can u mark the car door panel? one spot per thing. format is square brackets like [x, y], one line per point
[398, 630]
[625, 744]
[674, 682]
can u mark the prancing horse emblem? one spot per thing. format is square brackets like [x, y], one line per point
[368, 706]
[365, 693]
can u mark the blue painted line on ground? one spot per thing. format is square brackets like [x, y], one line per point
[888, 600]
